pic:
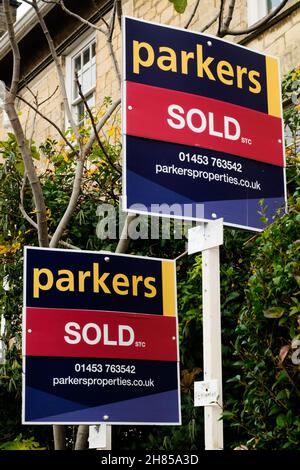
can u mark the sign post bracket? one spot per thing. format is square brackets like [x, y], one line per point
[207, 238]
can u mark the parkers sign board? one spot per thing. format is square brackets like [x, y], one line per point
[202, 127]
[92, 352]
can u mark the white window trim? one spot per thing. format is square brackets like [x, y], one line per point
[5, 119]
[80, 44]
[256, 10]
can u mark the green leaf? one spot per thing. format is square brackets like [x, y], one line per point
[281, 377]
[228, 415]
[281, 421]
[275, 410]
[34, 152]
[20, 167]
[179, 5]
[274, 312]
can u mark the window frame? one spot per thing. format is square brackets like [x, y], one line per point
[5, 119]
[81, 44]
[257, 9]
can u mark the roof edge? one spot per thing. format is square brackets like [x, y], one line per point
[24, 26]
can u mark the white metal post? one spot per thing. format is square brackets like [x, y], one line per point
[207, 237]
[212, 345]
[100, 437]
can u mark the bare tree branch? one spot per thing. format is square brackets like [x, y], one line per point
[192, 15]
[229, 15]
[114, 60]
[82, 437]
[50, 122]
[221, 17]
[59, 435]
[119, 12]
[110, 46]
[83, 150]
[72, 203]
[258, 24]
[32, 222]
[79, 18]
[108, 33]
[58, 69]
[35, 98]
[9, 106]
[33, 121]
[100, 124]
[88, 109]
[105, 22]
[208, 25]
[112, 20]
[15, 49]
[78, 178]
[124, 241]
[48, 97]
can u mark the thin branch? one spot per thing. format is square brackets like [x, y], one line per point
[109, 43]
[221, 17]
[72, 203]
[259, 23]
[58, 69]
[35, 97]
[15, 49]
[66, 245]
[119, 12]
[82, 437]
[32, 222]
[229, 15]
[9, 106]
[22, 192]
[48, 97]
[50, 122]
[210, 23]
[108, 33]
[105, 22]
[59, 437]
[100, 124]
[88, 109]
[78, 178]
[34, 120]
[114, 60]
[79, 18]
[182, 255]
[112, 20]
[124, 241]
[192, 15]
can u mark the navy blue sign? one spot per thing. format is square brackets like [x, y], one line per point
[203, 128]
[182, 176]
[90, 336]
[81, 390]
[157, 55]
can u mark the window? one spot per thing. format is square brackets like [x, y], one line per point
[257, 9]
[81, 66]
[5, 120]
[271, 4]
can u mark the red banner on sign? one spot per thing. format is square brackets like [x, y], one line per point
[90, 333]
[184, 118]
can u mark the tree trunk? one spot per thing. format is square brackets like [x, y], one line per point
[82, 437]
[59, 435]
